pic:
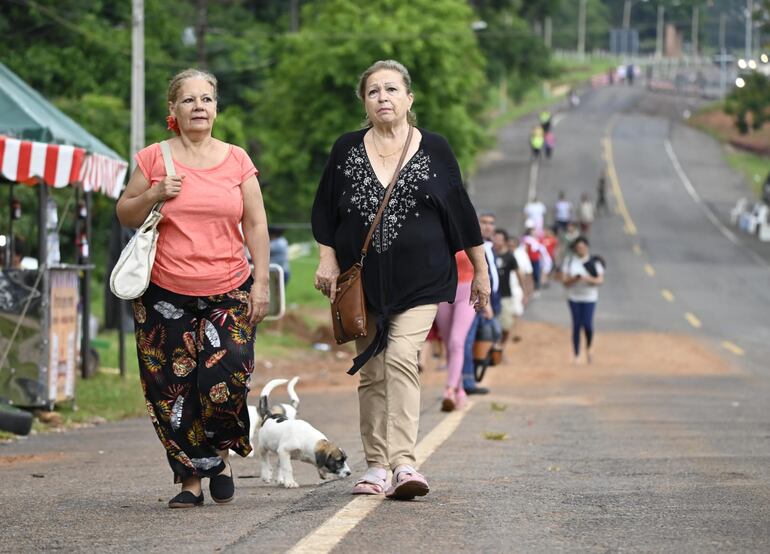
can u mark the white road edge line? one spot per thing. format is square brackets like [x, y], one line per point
[329, 534]
[709, 213]
[533, 170]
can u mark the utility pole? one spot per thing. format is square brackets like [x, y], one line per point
[200, 32]
[659, 33]
[547, 31]
[694, 33]
[137, 134]
[627, 14]
[582, 29]
[137, 78]
[749, 26]
[722, 54]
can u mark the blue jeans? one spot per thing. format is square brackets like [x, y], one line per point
[536, 273]
[582, 318]
[469, 377]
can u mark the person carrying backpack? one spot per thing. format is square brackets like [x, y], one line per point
[583, 275]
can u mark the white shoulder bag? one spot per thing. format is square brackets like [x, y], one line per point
[131, 275]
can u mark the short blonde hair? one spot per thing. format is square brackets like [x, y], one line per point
[391, 65]
[176, 82]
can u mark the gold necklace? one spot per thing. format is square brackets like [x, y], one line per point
[382, 157]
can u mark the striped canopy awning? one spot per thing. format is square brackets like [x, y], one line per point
[59, 165]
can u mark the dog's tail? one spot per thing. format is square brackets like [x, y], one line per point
[292, 394]
[264, 410]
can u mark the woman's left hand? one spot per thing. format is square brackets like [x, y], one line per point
[259, 302]
[480, 290]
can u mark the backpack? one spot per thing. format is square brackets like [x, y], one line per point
[590, 265]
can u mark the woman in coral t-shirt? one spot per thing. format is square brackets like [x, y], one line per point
[195, 323]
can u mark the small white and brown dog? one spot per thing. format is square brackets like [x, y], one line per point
[294, 439]
[289, 410]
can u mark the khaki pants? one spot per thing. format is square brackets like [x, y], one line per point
[389, 391]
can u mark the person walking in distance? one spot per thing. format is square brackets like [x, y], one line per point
[601, 194]
[562, 213]
[195, 324]
[409, 269]
[534, 251]
[585, 214]
[583, 275]
[535, 212]
[509, 278]
[454, 320]
[536, 141]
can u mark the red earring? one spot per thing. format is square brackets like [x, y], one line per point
[172, 125]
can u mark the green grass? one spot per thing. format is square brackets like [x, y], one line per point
[574, 72]
[753, 166]
[300, 290]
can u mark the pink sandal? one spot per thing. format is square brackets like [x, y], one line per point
[371, 482]
[406, 484]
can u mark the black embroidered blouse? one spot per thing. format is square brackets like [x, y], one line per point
[429, 217]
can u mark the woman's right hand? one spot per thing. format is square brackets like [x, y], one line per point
[327, 273]
[169, 187]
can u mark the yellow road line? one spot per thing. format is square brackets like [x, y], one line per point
[329, 534]
[649, 270]
[637, 249]
[630, 226]
[667, 294]
[692, 320]
[732, 347]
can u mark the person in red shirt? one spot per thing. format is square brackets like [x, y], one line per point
[551, 244]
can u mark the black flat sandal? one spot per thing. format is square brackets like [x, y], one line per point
[222, 487]
[186, 499]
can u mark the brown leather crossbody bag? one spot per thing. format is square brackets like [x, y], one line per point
[349, 306]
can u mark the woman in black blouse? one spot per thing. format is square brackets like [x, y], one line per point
[408, 270]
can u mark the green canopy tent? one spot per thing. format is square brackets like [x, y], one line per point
[41, 146]
[26, 114]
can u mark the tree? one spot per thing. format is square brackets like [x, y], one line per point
[309, 98]
[751, 101]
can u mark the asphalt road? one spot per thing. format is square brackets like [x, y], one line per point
[663, 445]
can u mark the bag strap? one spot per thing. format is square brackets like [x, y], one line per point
[388, 192]
[168, 161]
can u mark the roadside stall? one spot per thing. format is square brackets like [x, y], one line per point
[45, 302]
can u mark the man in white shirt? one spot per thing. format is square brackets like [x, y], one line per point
[535, 212]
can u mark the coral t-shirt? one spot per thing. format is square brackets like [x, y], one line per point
[464, 267]
[200, 244]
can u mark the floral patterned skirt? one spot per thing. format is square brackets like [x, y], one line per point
[196, 356]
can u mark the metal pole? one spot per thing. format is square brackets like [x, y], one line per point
[547, 32]
[659, 33]
[723, 53]
[582, 29]
[137, 79]
[85, 345]
[627, 14]
[9, 245]
[749, 26]
[694, 37]
[137, 128]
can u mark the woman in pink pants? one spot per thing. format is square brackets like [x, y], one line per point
[454, 321]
